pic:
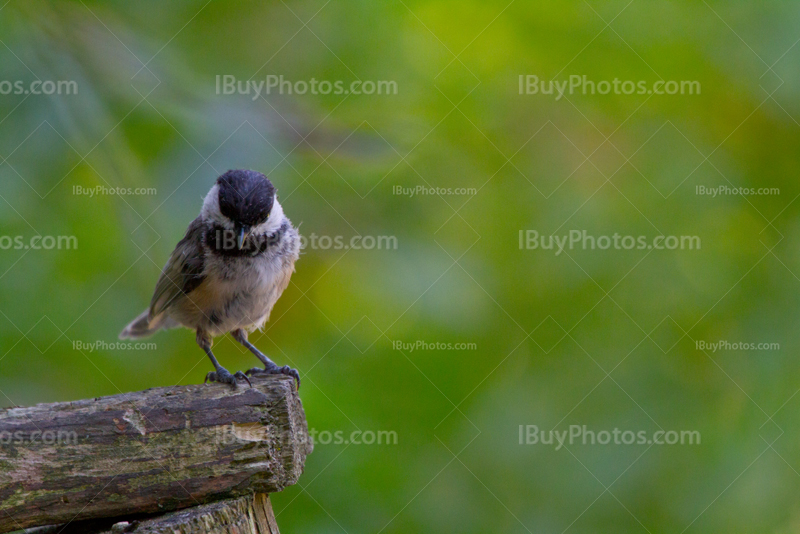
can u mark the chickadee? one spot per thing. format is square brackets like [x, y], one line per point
[228, 271]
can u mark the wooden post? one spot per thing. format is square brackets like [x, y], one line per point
[152, 452]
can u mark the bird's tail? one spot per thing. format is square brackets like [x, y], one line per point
[142, 326]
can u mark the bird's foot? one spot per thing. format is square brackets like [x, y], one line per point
[224, 376]
[275, 370]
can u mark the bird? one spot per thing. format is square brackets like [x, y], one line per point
[227, 272]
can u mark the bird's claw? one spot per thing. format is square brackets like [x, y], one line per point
[285, 370]
[241, 376]
[225, 377]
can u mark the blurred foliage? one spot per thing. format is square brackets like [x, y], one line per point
[598, 338]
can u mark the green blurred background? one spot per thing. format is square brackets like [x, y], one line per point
[607, 339]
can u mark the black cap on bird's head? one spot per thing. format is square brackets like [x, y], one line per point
[246, 198]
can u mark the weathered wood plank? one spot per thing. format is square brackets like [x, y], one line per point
[149, 452]
[246, 515]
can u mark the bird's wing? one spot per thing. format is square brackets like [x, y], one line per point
[184, 271]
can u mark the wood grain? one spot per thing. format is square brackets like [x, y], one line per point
[149, 452]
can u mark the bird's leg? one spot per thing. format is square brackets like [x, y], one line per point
[221, 374]
[270, 367]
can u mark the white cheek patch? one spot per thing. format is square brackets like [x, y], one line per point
[211, 212]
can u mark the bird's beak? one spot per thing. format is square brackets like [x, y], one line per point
[244, 231]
